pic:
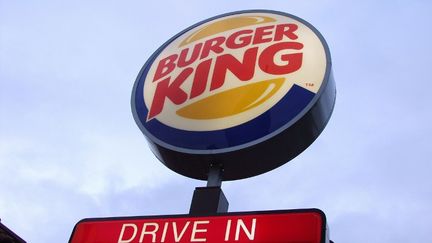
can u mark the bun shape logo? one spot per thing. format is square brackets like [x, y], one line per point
[229, 82]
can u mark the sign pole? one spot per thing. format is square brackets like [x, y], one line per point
[214, 175]
[210, 199]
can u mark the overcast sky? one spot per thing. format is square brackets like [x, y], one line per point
[70, 149]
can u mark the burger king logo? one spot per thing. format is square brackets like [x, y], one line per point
[230, 82]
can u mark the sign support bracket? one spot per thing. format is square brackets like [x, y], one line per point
[210, 200]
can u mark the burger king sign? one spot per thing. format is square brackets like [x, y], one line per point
[247, 91]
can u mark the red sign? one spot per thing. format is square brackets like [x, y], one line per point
[306, 226]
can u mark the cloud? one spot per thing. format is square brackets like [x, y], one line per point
[69, 148]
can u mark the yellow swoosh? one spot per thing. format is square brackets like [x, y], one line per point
[233, 101]
[224, 25]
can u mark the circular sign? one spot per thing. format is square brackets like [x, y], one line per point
[246, 91]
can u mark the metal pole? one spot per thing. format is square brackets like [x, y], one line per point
[214, 176]
[210, 199]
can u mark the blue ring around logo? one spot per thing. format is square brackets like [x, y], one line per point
[282, 113]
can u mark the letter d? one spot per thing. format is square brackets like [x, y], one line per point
[135, 229]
